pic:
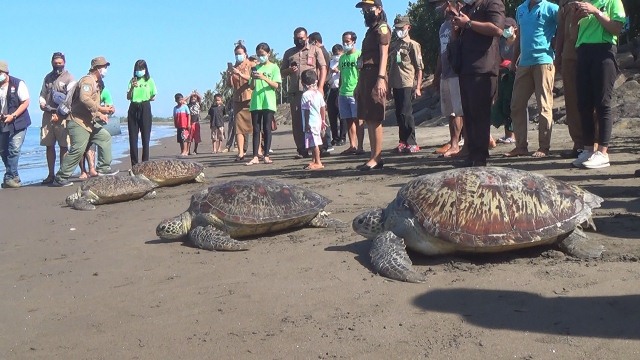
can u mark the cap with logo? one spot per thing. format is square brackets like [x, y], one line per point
[99, 61]
[369, 2]
[4, 67]
[401, 21]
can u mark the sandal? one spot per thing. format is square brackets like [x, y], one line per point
[253, 162]
[313, 167]
[267, 160]
[239, 158]
[349, 151]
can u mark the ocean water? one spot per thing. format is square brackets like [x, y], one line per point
[32, 166]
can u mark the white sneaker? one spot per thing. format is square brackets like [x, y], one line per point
[597, 161]
[582, 157]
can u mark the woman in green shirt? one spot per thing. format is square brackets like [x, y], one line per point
[141, 91]
[265, 80]
[598, 29]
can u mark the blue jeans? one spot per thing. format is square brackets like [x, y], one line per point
[10, 145]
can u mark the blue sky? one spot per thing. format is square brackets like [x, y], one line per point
[186, 48]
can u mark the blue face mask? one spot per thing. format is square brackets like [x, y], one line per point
[347, 47]
[3, 77]
[140, 73]
[508, 32]
[239, 58]
[263, 59]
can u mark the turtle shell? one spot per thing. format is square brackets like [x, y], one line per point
[492, 206]
[167, 172]
[257, 201]
[110, 189]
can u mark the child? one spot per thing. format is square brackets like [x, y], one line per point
[313, 113]
[194, 132]
[216, 114]
[182, 122]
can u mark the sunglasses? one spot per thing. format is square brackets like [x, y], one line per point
[368, 10]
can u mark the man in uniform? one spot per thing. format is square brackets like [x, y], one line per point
[405, 77]
[84, 127]
[55, 86]
[295, 61]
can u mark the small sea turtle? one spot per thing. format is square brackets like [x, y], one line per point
[110, 189]
[477, 210]
[170, 172]
[242, 208]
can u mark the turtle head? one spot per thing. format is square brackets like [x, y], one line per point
[200, 177]
[369, 224]
[175, 228]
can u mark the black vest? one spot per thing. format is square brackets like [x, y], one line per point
[24, 120]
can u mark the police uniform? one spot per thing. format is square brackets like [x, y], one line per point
[308, 58]
[369, 64]
[405, 61]
[83, 128]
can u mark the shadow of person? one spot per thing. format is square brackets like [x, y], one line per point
[598, 316]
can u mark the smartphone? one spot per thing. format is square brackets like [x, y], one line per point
[229, 65]
[254, 69]
[294, 63]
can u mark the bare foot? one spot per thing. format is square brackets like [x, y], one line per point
[451, 152]
[443, 149]
[492, 143]
[517, 152]
[540, 153]
[83, 176]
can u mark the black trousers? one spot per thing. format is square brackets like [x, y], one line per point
[404, 115]
[261, 120]
[596, 75]
[139, 121]
[338, 125]
[477, 93]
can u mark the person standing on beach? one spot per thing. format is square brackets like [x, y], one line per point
[295, 61]
[337, 124]
[89, 157]
[238, 76]
[14, 121]
[313, 113]
[347, 107]
[217, 112]
[55, 86]
[195, 101]
[142, 90]
[86, 112]
[182, 122]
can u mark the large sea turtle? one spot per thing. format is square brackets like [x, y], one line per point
[110, 189]
[477, 210]
[242, 208]
[168, 172]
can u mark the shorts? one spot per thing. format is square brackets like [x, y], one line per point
[347, 107]
[312, 139]
[182, 135]
[194, 133]
[217, 134]
[368, 109]
[450, 100]
[52, 133]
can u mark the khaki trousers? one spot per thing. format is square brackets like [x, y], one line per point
[532, 79]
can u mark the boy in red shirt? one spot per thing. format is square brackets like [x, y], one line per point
[182, 122]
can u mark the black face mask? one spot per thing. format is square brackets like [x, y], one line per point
[58, 69]
[370, 18]
[300, 43]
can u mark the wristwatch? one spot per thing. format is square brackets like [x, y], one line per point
[468, 25]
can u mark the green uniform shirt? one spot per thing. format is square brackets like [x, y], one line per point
[348, 65]
[264, 96]
[592, 32]
[144, 91]
[105, 97]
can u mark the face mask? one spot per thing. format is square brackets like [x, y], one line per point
[58, 69]
[103, 72]
[370, 18]
[239, 58]
[401, 33]
[263, 59]
[140, 73]
[508, 32]
[347, 48]
[300, 43]
[3, 77]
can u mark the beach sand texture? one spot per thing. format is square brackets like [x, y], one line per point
[101, 285]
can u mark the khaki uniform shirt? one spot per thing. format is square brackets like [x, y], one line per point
[241, 90]
[570, 30]
[405, 60]
[377, 35]
[85, 103]
[309, 57]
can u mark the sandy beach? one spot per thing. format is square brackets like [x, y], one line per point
[101, 285]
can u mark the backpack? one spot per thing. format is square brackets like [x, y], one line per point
[64, 108]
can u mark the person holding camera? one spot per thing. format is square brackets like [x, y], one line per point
[14, 121]
[84, 125]
[238, 77]
[142, 90]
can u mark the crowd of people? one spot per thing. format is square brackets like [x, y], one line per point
[488, 67]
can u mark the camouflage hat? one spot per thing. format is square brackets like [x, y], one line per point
[99, 61]
[401, 21]
[4, 67]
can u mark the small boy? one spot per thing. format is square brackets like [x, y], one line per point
[216, 115]
[313, 113]
[182, 122]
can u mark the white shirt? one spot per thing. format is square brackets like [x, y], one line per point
[334, 77]
[23, 94]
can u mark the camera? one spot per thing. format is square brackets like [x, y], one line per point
[294, 63]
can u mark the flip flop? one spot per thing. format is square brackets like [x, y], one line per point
[239, 158]
[48, 180]
[309, 167]
[253, 162]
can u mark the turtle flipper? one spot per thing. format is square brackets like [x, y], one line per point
[322, 220]
[150, 195]
[82, 203]
[210, 238]
[577, 244]
[389, 258]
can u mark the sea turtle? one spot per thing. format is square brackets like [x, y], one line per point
[110, 189]
[243, 208]
[477, 210]
[168, 172]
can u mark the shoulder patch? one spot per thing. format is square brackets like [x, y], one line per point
[86, 87]
[384, 29]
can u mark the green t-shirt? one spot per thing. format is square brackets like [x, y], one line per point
[592, 32]
[105, 97]
[144, 91]
[263, 96]
[348, 66]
